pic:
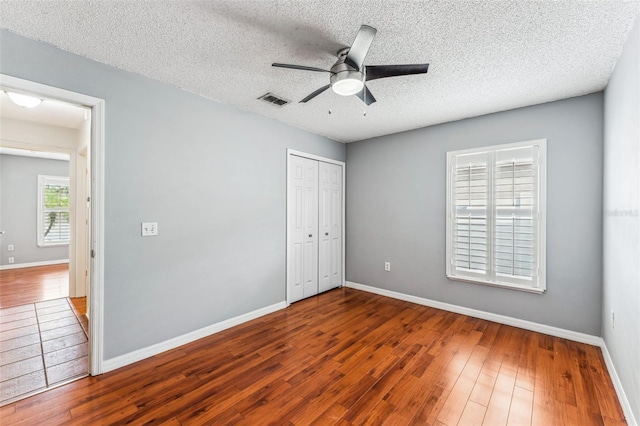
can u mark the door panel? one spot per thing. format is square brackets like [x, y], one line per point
[302, 266]
[330, 261]
[295, 212]
[336, 225]
[310, 253]
[324, 263]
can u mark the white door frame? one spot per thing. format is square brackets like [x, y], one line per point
[290, 153]
[96, 282]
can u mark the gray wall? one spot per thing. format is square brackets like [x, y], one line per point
[396, 212]
[212, 176]
[621, 286]
[18, 208]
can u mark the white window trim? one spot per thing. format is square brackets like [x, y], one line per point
[42, 180]
[541, 285]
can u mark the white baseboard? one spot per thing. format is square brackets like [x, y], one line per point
[515, 322]
[502, 319]
[617, 384]
[149, 351]
[32, 264]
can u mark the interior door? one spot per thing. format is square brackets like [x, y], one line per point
[302, 265]
[330, 222]
[310, 225]
[336, 225]
[324, 222]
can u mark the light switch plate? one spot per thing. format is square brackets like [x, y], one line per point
[10, 247]
[149, 229]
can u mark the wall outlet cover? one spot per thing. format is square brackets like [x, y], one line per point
[149, 229]
[11, 260]
[10, 247]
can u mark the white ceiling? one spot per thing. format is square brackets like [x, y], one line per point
[485, 56]
[50, 112]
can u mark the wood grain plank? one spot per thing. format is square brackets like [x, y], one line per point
[521, 407]
[473, 414]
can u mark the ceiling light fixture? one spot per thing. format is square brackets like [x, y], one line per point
[24, 101]
[347, 83]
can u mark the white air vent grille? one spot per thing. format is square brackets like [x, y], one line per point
[273, 99]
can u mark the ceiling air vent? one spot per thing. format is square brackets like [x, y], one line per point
[273, 99]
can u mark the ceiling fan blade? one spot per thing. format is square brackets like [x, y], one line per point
[367, 97]
[360, 47]
[316, 93]
[374, 72]
[299, 67]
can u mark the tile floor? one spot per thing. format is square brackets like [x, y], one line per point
[41, 345]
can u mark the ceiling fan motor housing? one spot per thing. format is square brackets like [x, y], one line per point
[346, 80]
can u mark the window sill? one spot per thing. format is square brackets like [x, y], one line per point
[497, 284]
[52, 244]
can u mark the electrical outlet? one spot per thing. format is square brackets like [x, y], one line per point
[613, 319]
[10, 247]
[11, 260]
[387, 266]
[149, 229]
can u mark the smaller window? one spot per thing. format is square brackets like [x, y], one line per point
[53, 210]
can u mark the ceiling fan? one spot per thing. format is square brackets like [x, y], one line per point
[349, 74]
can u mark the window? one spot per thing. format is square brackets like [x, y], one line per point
[53, 210]
[496, 215]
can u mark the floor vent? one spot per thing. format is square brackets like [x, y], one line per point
[273, 99]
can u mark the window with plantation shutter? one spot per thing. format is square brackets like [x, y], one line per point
[53, 210]
[496, 215]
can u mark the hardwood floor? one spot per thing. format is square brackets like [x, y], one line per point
[347, 357]
[24, 286]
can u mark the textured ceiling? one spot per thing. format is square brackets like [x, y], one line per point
[484, 56]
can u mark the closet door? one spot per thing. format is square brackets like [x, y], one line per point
[302, 268]
[324, 221]
[330, 221]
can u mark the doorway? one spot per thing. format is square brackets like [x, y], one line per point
[315, 225]
[81, 222]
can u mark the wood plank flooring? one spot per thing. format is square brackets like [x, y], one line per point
[24, 286]
[346, 357]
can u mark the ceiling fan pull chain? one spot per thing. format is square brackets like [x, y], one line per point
[364, 112]
[330, 102]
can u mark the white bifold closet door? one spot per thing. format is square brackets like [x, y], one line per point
[314, 206]
[330, 225]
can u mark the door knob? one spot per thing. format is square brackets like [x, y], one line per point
[326, 233]
[310, 235]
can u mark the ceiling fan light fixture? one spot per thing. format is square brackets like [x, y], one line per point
[347, 83]
[23, 100]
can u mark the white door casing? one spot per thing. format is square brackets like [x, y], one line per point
[96, 283]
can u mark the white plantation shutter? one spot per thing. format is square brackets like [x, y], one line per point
[470, 214]
[55, 226]
[515, 194]
[53, 210]
[495, 215]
